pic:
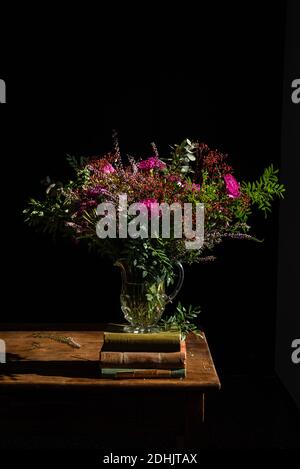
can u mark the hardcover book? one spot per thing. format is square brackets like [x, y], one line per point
[126, 373]
[151, 342]
[157, 360]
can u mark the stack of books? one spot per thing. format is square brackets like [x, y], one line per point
[153, 355]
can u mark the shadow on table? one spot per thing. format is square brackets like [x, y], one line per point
[66, 369]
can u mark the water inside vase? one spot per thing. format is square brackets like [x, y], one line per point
[143, 305]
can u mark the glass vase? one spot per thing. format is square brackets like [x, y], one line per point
[143, 302]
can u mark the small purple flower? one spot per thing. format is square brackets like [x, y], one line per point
[176, 179]
[85, 205]
[195, 187]
[95, 191]
[151, 163]
[232, 186]
[191, 186]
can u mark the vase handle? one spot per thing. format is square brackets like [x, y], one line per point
[120, 263]
[179, 283]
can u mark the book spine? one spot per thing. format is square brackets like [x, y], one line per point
[159, 360]
[128, 373]
[142, 360]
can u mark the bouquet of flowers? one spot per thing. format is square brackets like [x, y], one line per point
[192, 174]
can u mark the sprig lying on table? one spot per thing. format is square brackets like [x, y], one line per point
[58, 338]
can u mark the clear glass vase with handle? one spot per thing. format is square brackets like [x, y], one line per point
[143, 302]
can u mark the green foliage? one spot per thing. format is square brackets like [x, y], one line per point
[242, 212]
[210, 189]
[75, 163]
[182, 320]
[182, 155]
[156, 297]
[263, 191]
[49, 215]
[149, 256]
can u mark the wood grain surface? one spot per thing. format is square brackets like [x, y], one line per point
[38, 358]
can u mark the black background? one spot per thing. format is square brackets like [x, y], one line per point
[288, 322]
[217, 78]
[213, 72]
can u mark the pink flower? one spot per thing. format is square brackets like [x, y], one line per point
[193, 187]
[151, 163]
[108, 168]
[152, 209]
[148, 202]
[190, 186]
[232, 186]
[176, 179]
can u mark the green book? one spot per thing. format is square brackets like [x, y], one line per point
[151, 342]
[129, 373]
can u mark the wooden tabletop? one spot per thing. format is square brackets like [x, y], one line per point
[37, 358]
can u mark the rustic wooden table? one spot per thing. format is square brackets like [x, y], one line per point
[37, 361]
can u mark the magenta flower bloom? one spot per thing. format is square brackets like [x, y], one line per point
[151, 163]
[151, 209]
[232, 186]
[108, 168]
[148, 202]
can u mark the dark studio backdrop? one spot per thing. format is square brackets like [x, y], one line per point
[219, 80]
[229, 95]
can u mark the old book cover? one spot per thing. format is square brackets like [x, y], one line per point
[128, 373]
[150, 342]
[158, 360]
